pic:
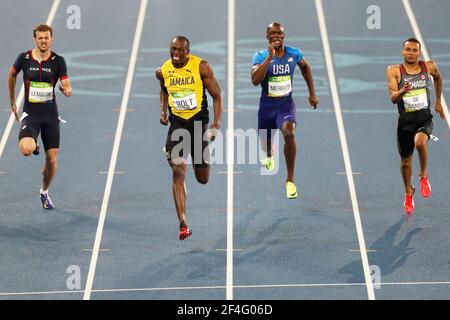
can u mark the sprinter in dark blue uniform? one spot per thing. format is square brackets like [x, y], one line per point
[274, 69]
[41, 69]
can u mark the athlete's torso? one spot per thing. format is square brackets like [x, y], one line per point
[40, 79]
[277, 84]
[418, 99]
[187, 98]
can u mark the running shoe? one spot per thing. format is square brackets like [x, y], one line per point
[409, 202]
[269, 163]
[291, 190]
[36, 151]
[184, 233]
[46, 201]
[425, 188]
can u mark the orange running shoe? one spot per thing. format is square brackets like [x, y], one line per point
[185, 232]
[409, 202]
[425, 188]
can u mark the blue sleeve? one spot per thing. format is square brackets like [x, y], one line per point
[19, 62]
[259, 57]
[299, 54]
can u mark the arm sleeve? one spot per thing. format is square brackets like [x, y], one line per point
[258, 57]
[299, 55]
[17, 66]
[62, 69]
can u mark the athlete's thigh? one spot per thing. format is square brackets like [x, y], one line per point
[50, 132]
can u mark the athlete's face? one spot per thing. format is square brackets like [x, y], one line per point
[411, 52]
[43, 41]
[179, 52]
[275, 34]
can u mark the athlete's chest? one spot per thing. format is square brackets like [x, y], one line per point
[282, 66]
[41, 71]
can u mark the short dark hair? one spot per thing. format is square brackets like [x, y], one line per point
[181, 38]
[42, 28]
[412, 40]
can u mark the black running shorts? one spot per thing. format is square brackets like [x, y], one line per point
[186, 138]
[407, 130]
[47, 124]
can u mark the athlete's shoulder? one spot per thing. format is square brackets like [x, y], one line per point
[294, 51]
[260, 56]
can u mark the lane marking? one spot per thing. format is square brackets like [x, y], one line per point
[115, 151]
[20, 97]
[230, 146]
[353, 173]
[294, 285]
[426, 56]
[345, 152]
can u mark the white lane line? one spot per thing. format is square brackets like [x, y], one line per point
[115, 151]
[426, 56]
[20, 97]
[230, 147]
[341, 129]
[262, 286]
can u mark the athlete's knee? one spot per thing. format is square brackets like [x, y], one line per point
[289, 135]
[178, 168]
[26, 151]
[202, 174]
[420, 144]
[51, 162]
[405, 163]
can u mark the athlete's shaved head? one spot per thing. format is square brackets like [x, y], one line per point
[182, 38]
[274, 24]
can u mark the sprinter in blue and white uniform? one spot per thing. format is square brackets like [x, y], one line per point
[273, 69]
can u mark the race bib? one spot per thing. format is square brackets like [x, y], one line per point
[415, 100]
[184, 100]
[40, 92]
[280, 86]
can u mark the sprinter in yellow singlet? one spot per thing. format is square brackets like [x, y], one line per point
[183, 79]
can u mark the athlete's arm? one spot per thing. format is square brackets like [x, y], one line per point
[259, 71]
[11, 90]
[163, 98]
[305, 68]
[66, 87]
[393, 79]
[433, 70]
[212, 85]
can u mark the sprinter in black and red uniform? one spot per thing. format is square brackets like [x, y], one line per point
[41, 69]
[409, 87]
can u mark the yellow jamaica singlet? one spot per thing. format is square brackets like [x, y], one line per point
[185, 87]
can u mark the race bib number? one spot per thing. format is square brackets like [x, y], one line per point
[415, 100]
[280, 86]
[40, 92]
[184, 100]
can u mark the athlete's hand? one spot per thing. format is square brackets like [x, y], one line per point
[407, 87]
[164, 119]
[14, 110]
[438, 108]
[272, 47]
[213, 131]
[313, 101]
[67, 91]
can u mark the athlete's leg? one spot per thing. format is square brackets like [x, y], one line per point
[420, 142]
[290, 149]
[179, 187]
[406, 170]
[50, 167]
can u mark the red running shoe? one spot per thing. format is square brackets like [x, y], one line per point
[184, 233]
[425, 188]
[409, 202]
